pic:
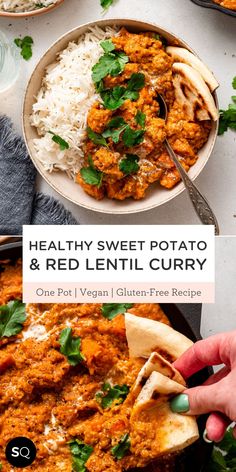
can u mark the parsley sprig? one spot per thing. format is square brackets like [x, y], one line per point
[129, 164]
[130, 137]
[228, 117]
[114, 98]
[111, 62]
[111, 310]
[224, 455]
[122, 448]
[25, 45]
[109, 394]
[105, 4]
[80, 454]
[91, 175]
[60, 141]
[12, 317]
[70, 347]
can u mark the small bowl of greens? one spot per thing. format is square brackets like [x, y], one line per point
[25, 8]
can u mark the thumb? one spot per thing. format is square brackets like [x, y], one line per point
[200, 400]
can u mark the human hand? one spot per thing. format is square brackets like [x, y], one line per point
[217, 395]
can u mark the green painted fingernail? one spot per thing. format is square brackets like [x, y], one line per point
[180, 404]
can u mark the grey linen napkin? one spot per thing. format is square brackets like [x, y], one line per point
[19, 205]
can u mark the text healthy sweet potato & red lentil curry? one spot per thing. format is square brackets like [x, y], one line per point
[125, 152]
[65, 379]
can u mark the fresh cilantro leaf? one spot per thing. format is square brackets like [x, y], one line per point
[57, 139]
[107, 45]
[106, 3]
[111, 310]
[114, 128]
[26, 46]
[116, 122]
[224, 454]
[129, 165]
[140, 118]
[136, 82]
[12, 317]
[111, 63]
[228, 117]
[132, 137]
[96, 138]
[113, 98]
[109, 394]
[91, 176]
[80, 454]
[121, 449]
[70, 347]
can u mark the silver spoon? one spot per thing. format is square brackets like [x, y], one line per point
[199, 202]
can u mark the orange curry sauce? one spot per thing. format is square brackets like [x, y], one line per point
[147, 55]
[51, 402]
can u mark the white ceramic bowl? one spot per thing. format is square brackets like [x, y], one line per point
[59, 181]
[39, 11]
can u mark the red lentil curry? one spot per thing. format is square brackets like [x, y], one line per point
[230, 4]
[73, 401]
[124, 151]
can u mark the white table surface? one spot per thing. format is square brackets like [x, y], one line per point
[210, 33]
[221, 315]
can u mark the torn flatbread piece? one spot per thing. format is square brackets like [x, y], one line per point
[172, 432]
[145, 336]
[192, 93]
[156, 363]
[183, 55]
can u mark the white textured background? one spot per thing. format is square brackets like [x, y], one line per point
[210, 33]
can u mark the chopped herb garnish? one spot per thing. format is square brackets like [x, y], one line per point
[114, 128]
[58, 140]
[228, 117]
[136, 82]
[106, 3]
[115, 97]
[129, 165]
[80, 454]
[140, 118]
[107, 45]
[12, 317]
[70, 347]
[111, 310]
[96, 138]
[133, 137]
[224, 454]
[25, 45]
[91, 175]
[111, 63]
[109, 394]
[121, 449]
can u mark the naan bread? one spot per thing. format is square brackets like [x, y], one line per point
[172, 431]
[183, 55]
[145, 336]
[157, 383]
[156, 363]
[192, 93]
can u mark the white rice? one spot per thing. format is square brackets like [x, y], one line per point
[18, 6]
[64, 100]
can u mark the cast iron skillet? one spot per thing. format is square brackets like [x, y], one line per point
[215, 6]
[196, 456]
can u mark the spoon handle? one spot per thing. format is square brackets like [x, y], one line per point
[199, 202]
